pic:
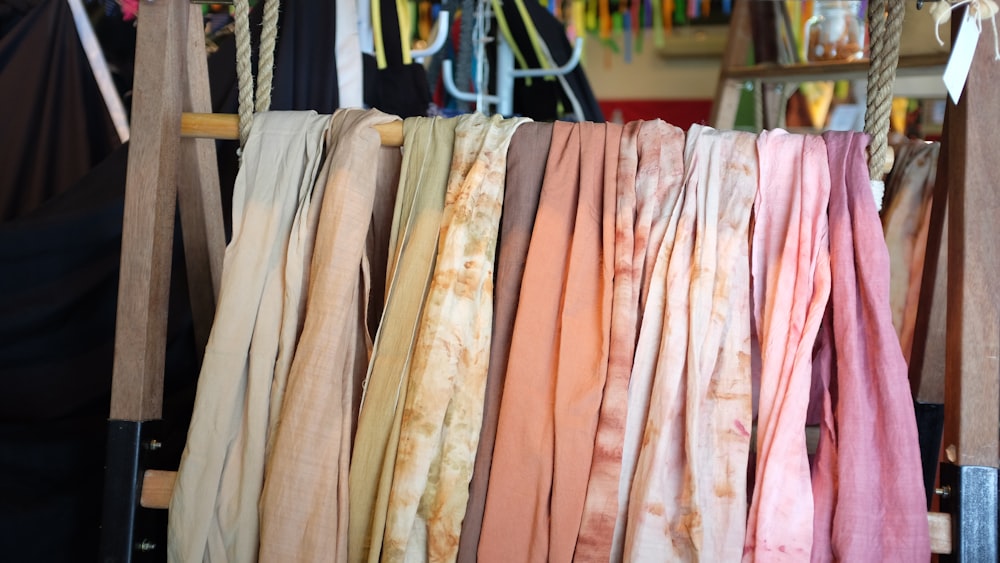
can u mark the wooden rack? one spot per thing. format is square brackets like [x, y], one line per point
[167, 167]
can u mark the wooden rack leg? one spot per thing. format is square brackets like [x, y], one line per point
[728, 90]
[972, 384]
[198, 194]
[147, 237]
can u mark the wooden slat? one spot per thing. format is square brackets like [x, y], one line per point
[909, 65]
[148, 221]
[972, 382]
[226, 126]
[927, 356]
[157, 487]
[940, 531]
[198, 194]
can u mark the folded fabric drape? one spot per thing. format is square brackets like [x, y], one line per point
[213, 510]
[880, 512]
[526, 156]
[790, 284]
[413, 246]
[304, 511]
[905, 223]
[688, 496]
[663, 176]
[598, 403]
[645, 160]
[558, 359]
[443, 411]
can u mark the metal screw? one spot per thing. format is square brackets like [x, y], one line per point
[145, 545]
[943, 492]
[154, 445]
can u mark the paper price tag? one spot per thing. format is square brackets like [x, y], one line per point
[957, 71]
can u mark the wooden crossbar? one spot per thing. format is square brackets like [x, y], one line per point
[227, 126]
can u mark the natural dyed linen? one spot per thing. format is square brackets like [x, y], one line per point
[303, 507]
[643, 157]
[416, 223]
[791, 284]
[213, 509]
[905, 223]
[526, 156]
[661, 178]
[879, 512]
[443, 411]
[687, 499]
[559, 354]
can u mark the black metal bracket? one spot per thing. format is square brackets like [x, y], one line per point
[969, 494]
[130, 532]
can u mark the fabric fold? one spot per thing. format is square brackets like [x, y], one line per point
[790, 288]
[413, 244]
[877, 450]
[558, 358]
[526, 156]
[304, 511]
[213, 512]
[443, 412]
[687, 501]
[664, 176]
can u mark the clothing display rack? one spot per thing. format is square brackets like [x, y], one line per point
[172, 167]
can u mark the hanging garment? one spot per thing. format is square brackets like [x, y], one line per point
[59, 270]
[639, 198]
[526, 156]
[304, 501]
[791, 285]
[659, 187]
[393, 82]
[55, 124]
[308, 57]
[559, 355]
[905, 222]
[540, 99]
[443, 412]
[420, 199]
[876, 451]
[687, 500]
[213, 509]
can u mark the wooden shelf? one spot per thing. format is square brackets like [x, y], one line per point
[911, 65]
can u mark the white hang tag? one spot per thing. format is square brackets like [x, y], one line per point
[964, 49]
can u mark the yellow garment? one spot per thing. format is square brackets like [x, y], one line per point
[423, 179]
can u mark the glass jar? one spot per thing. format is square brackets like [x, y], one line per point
[836, 32]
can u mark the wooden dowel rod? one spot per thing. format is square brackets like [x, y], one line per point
[227, 126]
[157, 487]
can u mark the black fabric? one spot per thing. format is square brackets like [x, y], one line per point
[59, 279]
[52, 110]
[399, 89]
[541, 99]
[305, 74]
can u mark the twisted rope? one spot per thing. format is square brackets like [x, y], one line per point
[265, 65]
[885, 25]
[244, 74]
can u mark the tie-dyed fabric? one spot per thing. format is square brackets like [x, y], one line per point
[687, 499]
[443, 411]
